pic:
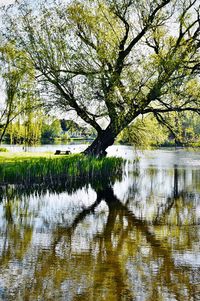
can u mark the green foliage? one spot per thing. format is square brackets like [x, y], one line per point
[26, 129]
[65, 137]
[18, 77]
[190, 128]
[52, 130]
[147, 132]
[183, 128]
[144, 133]
[71, 126]
[3, 150]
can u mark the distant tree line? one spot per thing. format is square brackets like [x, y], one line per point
[39, 128]
[142, 134]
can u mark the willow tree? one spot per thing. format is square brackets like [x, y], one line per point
[113, 60]
[17, 76]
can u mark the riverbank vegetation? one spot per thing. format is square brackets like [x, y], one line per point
[147, 132]
[144, 133]
[35, 127]
[30, 168]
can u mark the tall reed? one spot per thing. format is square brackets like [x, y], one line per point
[38, 170]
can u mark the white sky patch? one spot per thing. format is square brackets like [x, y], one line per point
[6, 2]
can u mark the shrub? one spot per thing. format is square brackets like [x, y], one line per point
[3, 150]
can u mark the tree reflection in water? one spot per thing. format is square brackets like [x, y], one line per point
[143, 246]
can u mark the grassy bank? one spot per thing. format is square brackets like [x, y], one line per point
[7, 157]
[29, 168]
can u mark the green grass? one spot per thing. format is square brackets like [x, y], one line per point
[29, 168]
[24, 156]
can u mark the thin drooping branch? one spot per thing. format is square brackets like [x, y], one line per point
[171, 109]
[73, 103]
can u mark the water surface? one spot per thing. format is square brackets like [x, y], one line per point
[135, 238]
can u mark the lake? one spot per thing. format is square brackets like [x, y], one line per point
[135, 238]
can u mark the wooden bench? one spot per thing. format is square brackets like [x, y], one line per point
[59, 152]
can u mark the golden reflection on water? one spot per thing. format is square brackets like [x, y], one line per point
[136, 240]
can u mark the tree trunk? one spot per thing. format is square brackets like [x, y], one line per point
[104, 139]
[4, 131]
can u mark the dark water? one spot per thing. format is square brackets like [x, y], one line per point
[134, 239]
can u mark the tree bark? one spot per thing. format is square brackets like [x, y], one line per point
[104, 139]
[4, 129]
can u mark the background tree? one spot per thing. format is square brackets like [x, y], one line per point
[51, 130]
[18, 78]
[26, 128]
[144, 133]
[114, 60]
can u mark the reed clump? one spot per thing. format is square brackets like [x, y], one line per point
[29, 170]
[3, 150]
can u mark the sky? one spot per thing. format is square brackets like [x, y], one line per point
[5, 2]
